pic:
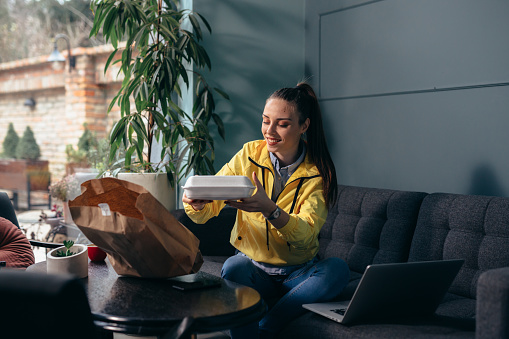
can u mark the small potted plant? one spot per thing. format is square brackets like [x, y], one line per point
[69, 259]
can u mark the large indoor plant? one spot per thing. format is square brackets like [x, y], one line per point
[162, 57]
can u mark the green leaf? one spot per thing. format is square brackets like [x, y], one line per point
[139, 149]
[139, 129]
[112, 103]
[113, 151]
[132, 10]
[98, 17]
[112, 55]
[204, 56]
[109, 21]
[128, 156]
[196, 26]
[210, 165]
[223, 94]
[118, 129]
[220, 126]
[114, 38]
[205, 22]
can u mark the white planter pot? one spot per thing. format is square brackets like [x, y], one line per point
[82, 176]
[67, 213]
[157, 184]
[76, 264]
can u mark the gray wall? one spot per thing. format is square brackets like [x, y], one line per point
[256, 47]
[415, 93]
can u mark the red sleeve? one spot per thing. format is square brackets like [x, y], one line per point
[15, 249]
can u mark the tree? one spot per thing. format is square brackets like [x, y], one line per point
[27, 146]
[87, 140]
[10, 142]
[27, 26]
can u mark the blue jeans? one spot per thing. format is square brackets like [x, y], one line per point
[318, 281]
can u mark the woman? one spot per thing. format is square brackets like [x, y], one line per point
[276, 231]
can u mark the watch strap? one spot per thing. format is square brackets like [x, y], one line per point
[275, 214]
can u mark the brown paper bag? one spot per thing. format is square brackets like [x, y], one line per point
[141, 237]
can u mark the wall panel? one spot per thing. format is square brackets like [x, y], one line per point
[399, 46]
[415, 94]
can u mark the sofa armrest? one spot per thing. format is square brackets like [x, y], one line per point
[493, 304]
[214, 235]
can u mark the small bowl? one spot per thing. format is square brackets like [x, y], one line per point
[95, 253]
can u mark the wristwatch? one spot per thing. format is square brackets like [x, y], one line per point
[275, 214]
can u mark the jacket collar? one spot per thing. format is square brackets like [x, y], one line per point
[305, 169]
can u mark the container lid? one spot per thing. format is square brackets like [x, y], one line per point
[218, 181]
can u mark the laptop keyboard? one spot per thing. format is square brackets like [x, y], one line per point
[340, 311]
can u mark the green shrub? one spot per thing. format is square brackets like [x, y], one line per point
[10, 142]
[100, 160]
[87, 140]
[86, 144]
[27, 147]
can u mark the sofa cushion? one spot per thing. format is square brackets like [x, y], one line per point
[311, 325]
[213, 264]
[214, 235]
[469, 227]
[370, 226]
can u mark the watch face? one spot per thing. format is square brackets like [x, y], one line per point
[275, 214]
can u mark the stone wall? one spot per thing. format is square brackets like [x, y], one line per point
[64, 101]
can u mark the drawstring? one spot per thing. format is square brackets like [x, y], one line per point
[299, 186]
[266, 222]
[267, 234]
[263, 183]
[296, 194]
[293, 205]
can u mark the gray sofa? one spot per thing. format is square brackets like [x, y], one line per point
[373, 226]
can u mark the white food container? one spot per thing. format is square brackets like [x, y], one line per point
[214, 187]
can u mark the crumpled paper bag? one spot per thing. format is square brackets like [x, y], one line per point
[141, 237]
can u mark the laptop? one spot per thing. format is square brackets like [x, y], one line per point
[392, 291]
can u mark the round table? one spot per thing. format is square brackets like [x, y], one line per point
[153, 307]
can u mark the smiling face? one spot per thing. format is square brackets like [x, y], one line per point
[281, 130]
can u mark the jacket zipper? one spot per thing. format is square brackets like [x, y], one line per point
[299, 186]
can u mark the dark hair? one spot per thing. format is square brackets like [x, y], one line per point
[305, 102]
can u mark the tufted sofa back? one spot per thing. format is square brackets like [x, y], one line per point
[470, 227]
[370, 226]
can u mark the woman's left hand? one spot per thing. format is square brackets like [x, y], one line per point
[258, 202]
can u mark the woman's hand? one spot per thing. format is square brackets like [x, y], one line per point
[196, 204]
[258, 202]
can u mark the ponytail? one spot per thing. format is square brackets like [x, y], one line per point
[306, 103]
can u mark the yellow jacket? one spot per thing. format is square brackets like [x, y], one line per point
[302, 198]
